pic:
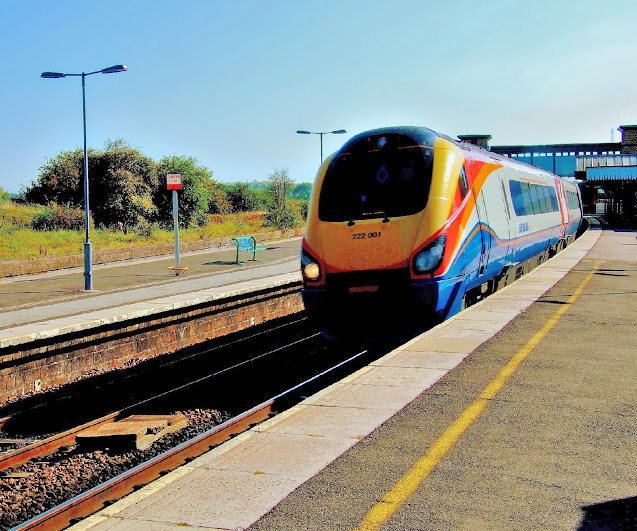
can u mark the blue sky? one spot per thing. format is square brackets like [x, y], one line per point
[230, 82]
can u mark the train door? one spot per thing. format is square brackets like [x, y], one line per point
[510, 231]
[485, 235]
[563, 200]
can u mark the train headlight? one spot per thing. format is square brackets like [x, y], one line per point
[428, 259]
[310, 267]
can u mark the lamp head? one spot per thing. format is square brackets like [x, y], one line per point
[52, 75]
[304, 133]
[114, 69]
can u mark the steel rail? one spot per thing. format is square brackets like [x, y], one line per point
[93, 500]
[49, 445]
[53, 443]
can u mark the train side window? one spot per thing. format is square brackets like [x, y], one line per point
[517, 195]
[463, 185]
[545, 204]
[553, 199]
[526, 195]
[538, 204]
[573, 200]
[535, 200]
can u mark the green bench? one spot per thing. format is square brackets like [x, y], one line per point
[249, 245]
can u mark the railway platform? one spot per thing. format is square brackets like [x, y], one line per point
[518, 413]
[52, 332]
[41, 297]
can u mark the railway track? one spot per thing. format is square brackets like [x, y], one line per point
[288, 382]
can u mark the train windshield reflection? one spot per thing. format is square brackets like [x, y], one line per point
[381, 176]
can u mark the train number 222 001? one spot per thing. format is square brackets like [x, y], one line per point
[364, 235]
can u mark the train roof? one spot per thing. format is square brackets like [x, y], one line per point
[422, 135]
[427, 137]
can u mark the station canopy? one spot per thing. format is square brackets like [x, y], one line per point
[612, 173]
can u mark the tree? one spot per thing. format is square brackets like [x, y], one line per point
[195, 195]
[280, 215]
[279, 184]
[243, 198]
[218, 202]
[125, 179]
[301, 191]
[60, 180]
[121, 182]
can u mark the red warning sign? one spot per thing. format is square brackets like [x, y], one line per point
[173, 180]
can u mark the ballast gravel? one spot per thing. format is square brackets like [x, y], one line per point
[37, 486]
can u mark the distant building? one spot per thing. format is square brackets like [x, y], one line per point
[608, 169]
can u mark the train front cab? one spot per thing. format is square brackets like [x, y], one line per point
[376, 236]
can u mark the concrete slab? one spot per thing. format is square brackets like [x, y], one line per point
[342, 422]
[217, 499]
[423, 359]
[445, 333]
[487, 318]
[446, 344]
[360, 396]
[283, 454]
[107, 523]
[401, 377]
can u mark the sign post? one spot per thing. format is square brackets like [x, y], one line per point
[173, 182]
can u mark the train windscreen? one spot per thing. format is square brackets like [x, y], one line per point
[380, 176]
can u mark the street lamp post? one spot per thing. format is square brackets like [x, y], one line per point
[339, 132]
[88, 255]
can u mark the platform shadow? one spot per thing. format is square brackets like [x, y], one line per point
[611, 515]
[547, 301]
[220, 262]
[70, 289]
[615, 272]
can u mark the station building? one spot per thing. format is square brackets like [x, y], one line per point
[607, 170]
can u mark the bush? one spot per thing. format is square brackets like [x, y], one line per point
[146, 229]
[4, 196]
[195, 197]
[218, 203]
[304, 209]
[14, 216]
[301, 206]
[121, 183]
[285, 218]
[243, 198]
[58, 217]
[301, 191]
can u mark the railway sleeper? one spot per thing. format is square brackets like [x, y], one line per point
[136, 432]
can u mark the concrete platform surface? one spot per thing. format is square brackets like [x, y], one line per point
[550, 363]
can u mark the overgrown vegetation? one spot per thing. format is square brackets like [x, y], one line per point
[58, 217]
[4, 196]
[281, 215]
[18, 241]
[130, 205]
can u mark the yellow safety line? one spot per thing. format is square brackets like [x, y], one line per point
[382, 512]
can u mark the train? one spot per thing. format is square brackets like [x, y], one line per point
[407, 226]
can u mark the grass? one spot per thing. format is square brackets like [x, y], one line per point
[18, 241]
